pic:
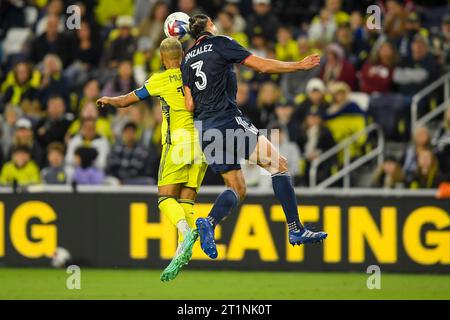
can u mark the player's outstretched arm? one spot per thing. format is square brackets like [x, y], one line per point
[275, 66]
[120, 101]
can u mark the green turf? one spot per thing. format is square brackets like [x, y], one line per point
[142, 284]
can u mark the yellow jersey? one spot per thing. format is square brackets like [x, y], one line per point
[28, 174]
[178, 123]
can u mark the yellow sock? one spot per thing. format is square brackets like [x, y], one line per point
[171, 209]
[188, 207]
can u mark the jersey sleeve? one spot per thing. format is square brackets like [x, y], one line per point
[232, 51]
[150, 88]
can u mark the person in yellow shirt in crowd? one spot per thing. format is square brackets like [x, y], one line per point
[21, 84]
[21, 169]
[102, 124]
[108, 10]
[286, 48]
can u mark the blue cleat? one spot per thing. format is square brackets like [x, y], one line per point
[306, 236]
[206, 233]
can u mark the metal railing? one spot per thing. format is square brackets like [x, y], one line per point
[216, 190]
[444, 82]
[348, 166]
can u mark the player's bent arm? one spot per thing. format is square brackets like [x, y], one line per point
[275, 66]
[120, 101]
[188, 100]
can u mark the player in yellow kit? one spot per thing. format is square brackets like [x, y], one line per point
[182, 167]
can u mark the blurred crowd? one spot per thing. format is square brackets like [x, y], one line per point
[51, 74]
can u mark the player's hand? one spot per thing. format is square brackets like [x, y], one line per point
[310, 62]
[103, 101]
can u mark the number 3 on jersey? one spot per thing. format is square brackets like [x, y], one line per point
[200, 74]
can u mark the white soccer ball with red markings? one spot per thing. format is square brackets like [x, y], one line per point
[177, 26]
[61, 257]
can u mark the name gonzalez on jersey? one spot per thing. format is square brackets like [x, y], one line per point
[200, 50]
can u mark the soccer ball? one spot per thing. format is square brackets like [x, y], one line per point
[61, 257]
[177, 26]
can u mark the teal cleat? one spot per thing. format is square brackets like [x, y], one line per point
[181, 259]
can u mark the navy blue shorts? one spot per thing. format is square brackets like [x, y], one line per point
[227, 143]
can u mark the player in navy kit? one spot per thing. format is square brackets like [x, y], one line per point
[226, 135]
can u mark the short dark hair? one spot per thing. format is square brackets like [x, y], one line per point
[55, 146]
[197, 25]
[130, 125]
[21, 148]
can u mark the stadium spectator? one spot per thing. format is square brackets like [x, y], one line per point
[427, 175]
[337, 68]
[24, 137]
[86, 173]
[190, 7]
[123, 46]
[53, 8]
[421, 141]
[239, 22]
[226, 27]
[335, 9]
[322, 29]
[246, 101]
[441, 42]
[86, 52]
[90, 94]
[51, 42]
[294, 84]
[315, 138]
[395, 19]
[88, 136]
[412, 28]
[90, 112]
[344, 117]
[284, 111]
[357, 26]
[152, 26]
[128, 160]
[356, 50]
[122, 83]
[8, 127]
[441, 144]
[21, 85]
[54, 125]
[56, 173]
[315, 99]
[377, 72]
[262, 21]
[268, 97]
[53, 82]
[21, 170]
[286, 48]
[389, 175]
[416, 72]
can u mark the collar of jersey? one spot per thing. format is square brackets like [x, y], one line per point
[204, 35]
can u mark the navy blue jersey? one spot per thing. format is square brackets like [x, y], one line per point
[207, 69]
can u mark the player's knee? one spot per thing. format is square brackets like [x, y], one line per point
[240, 190]
[283, 165]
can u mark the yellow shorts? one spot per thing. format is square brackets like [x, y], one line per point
[182, 164]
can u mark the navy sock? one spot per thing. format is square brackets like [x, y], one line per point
[225, 203]
[284, 191]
